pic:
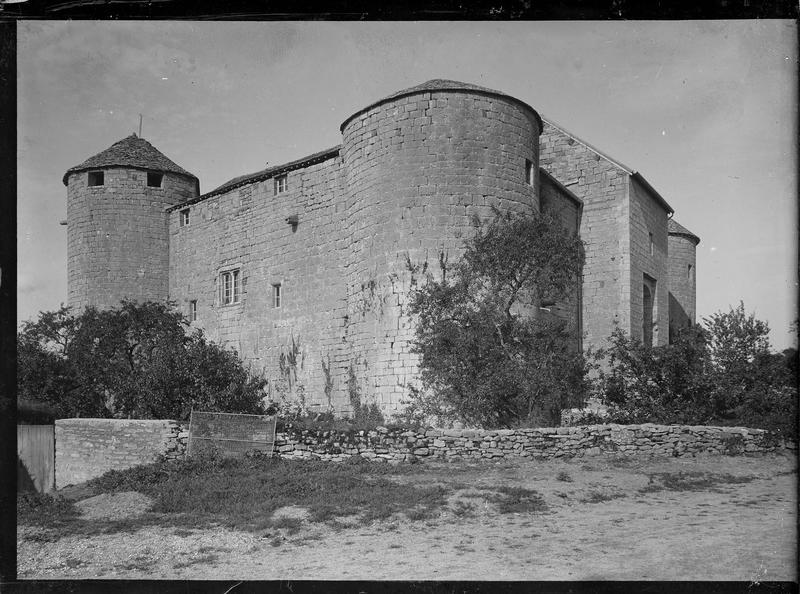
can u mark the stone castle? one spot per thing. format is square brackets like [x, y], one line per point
[302, 267]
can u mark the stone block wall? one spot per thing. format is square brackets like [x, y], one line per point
[605, 229]
[648, 216]
[246, 228]
[87, 448]
[117, 237]
[398, 445]
[418, 167]
[682, 281]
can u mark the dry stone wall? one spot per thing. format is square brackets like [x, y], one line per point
[117, 237]
[87, 448]
[562, 442]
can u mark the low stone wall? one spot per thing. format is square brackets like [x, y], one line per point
[86, 448]
[404, 445]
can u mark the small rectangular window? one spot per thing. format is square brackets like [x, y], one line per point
[652, 247]
[689, 271]
[528, 172]
[154, 180]
[184, 216]
[281, 184]
[276, 295]
[193, 310]
[96, 178]
[229, 287]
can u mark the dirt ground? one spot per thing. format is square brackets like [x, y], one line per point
[606, 520]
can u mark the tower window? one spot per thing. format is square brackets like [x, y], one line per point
[230, 287]
[281, 184]
[276, 295]
[528, 172]
[96, 178]
[652, 247]
[154, 180]
[193, 310]
[184, 216]
[689, 271]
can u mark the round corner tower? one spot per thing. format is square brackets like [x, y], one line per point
[682, 276]
[419, 165]
[117, 226]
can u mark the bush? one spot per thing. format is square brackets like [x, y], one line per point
[488, 354]
[135, 361]
[723, 374]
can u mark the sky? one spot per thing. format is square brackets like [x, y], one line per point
[706, 111]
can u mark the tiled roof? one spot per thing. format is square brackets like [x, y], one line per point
[440, 84]
[132, 152]
[675, 228]
[258, 176]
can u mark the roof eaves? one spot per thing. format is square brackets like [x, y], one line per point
[260, 176]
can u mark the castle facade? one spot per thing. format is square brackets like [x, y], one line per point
[302, 267]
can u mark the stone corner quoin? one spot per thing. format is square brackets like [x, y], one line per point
[308, 260]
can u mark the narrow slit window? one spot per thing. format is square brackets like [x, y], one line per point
[184, 217]
[193, 310]
[652, 247]
[230, 287]
[528, 172]
[276, 295]
[689, 271]
[96, 178]
[281, 184]
[154, 180]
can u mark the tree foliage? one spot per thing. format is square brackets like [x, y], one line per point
[721, 372]
[488, 355]
[135, 361]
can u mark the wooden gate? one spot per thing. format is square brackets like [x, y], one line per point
[36, 458]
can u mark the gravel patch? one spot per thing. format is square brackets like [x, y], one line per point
[114, 506]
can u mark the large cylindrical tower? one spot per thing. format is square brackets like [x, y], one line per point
[117, 234]
[682, 277]
[419, 164]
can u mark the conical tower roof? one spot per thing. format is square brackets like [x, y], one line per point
[675, 228]
[133, 152]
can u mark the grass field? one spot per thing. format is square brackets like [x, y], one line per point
[711, 517]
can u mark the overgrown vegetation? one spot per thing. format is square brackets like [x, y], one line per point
[720, 373]
[489, 354]
[135, 361]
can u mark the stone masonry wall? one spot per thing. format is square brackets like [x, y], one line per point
[626, 440]
[648, 216]
[418, 167]
[87, 448]
[117, 236]
[682, 287]
[246, 228]
[555, 201]
[602, 186]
